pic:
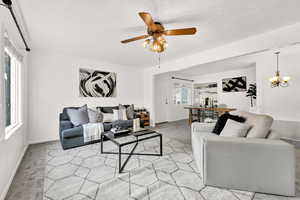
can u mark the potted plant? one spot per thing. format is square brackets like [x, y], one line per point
[251, 92]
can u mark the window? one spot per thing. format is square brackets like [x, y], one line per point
[182, 94]
[11, 91]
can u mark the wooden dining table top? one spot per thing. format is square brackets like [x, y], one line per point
[218, 109]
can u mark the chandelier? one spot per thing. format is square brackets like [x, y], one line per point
[156, 44]
[276, 80]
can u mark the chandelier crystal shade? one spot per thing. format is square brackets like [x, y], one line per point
[277, 80]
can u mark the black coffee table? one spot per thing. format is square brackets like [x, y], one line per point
[133, 138]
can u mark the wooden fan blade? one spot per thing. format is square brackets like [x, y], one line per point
[135, 38]
[146, 17]
[183, 31]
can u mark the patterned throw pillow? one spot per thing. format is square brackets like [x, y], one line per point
[130, 111]
[95, 116]
[122, 112]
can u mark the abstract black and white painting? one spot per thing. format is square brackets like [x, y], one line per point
[94, 83]
[237, 84]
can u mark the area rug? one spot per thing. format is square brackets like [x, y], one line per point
[85, 174]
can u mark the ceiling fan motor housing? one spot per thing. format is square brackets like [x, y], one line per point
[158, 28]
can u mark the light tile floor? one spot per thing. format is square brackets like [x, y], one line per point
[29, 181]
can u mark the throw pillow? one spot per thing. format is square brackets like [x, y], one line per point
[78, 116]
[261, 124]
[122, 112]
[94, 116]
[108, 117]
[116, 115]
[130, 112]
[235, 129]
[223, 119]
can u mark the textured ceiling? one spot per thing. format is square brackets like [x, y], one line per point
[94, 28]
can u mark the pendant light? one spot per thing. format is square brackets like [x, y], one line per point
[277, 80]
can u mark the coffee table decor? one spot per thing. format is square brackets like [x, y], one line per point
[123, 140]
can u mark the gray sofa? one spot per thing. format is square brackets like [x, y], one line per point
[71, 136]
[265, 165]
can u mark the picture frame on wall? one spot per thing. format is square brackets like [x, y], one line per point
[96, 83]
[236, 84]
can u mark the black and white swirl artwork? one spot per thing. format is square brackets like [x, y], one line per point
[95, 83]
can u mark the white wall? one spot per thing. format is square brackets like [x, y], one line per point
[276, 38]
[231, 99]
[165, 109]
[54, 84]
[12, 148]
[281, 103]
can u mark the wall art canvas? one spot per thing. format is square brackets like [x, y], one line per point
[95, 83]
[237, 84]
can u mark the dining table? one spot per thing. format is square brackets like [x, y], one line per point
[201, 113]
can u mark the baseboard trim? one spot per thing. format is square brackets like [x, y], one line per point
[5, 191]
[159, 123]
[42, 141]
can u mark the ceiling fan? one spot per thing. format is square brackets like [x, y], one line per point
[156, 31]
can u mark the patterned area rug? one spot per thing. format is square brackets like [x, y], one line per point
[84, 173]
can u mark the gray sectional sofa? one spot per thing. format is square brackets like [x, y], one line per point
[72, 136]
[265, 165]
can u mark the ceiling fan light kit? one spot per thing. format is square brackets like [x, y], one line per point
[156, 31]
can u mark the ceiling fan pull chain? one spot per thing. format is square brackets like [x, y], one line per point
[158, 60]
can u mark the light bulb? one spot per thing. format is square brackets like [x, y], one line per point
[165, 45]
[155, 46]
[146, 43]
[286, 78]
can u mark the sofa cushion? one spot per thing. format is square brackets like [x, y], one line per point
[274, 135]
[107, 126]
[65, 124]
[235, 129]
[73, 132]
[261, 124]
[78, 116]
[108, 109]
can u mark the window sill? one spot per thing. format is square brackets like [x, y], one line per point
[9, 131]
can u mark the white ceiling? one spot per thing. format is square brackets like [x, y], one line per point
[94, 28]
[220, 66]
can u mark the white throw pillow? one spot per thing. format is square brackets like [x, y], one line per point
[260, 124]
[108, 117]
[235, 129]
[122, 114]
[116, 115]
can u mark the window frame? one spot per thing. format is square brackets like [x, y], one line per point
[16, 113]
[179, 87]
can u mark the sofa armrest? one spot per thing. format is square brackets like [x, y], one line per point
[202, 127]
[64, 124]
[250, 164]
